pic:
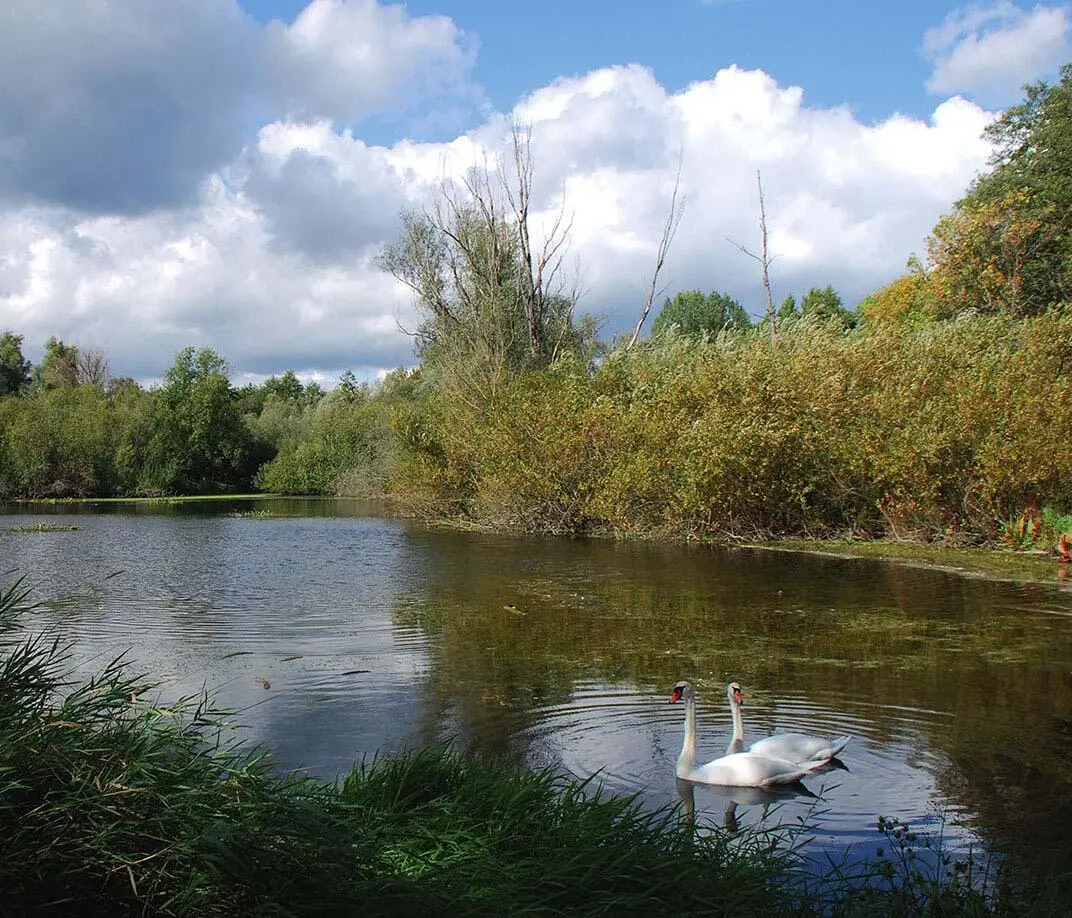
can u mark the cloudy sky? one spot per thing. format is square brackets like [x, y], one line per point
[223, 173]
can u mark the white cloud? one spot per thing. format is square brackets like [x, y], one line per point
[990, 52]
[342, 58]
[273, 263]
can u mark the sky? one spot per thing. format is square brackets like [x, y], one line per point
[225, 173]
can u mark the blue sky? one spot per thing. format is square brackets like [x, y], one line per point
[865, 55]
[225, 173]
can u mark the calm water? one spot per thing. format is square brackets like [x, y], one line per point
[337, 634]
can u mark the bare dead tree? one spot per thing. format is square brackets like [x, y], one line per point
[92, 367]
[677, 207]
[763, 258]
[541, 268]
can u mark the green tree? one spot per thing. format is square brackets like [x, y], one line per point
[825, 303]
[14, 367]
[287, 387]
[132, 411]
[788, 309]
[492, 302]
[59, 367]
[1007, 246]
[697, 313]
[200, 441]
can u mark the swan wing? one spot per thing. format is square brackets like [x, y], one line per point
[799, 747]
[746, 769]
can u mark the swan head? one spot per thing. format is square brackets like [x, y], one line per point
[733, 693]
[681, 690]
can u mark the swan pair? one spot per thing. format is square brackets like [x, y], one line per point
[781, 759]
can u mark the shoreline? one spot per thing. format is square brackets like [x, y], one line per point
[992, 563]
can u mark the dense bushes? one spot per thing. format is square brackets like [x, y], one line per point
[946, 429]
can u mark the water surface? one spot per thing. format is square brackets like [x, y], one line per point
[338, 634]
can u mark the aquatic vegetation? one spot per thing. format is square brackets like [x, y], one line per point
[42, 527]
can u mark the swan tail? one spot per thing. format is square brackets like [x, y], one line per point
[835, 747]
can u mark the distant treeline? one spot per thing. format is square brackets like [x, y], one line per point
[941, 407]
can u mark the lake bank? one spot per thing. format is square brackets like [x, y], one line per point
[994, 562]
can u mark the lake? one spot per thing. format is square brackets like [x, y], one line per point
[337, 634]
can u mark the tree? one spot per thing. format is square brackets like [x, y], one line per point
[92, 367]
[908, 300]
[764, 259]
[287, 387]
[788, 309]
[1007, 246]
[14, 367]
[492, 302]
[696, 313]
[666, 240]
[200, 442]
[58, 368]
[825, 303]
[1007, 254]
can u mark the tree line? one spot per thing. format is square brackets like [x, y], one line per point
[936, 408]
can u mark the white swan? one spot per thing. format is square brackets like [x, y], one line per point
[740, 769]
[792, 747]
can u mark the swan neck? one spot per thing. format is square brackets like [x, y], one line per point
[686, 763]
[738, 726]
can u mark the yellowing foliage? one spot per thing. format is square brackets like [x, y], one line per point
[940, 430]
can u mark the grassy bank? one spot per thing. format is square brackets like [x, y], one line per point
[112, 806]
[994, 563]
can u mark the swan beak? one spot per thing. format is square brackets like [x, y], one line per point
[675, 697]
[738, 697]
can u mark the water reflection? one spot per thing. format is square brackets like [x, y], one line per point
[372, 635]
[765, 798]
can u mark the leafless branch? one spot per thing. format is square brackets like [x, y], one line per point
[669, 231]
[764, 259]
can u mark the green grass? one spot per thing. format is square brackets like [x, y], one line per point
[110, 805]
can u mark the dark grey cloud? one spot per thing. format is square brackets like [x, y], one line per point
[120, 107]
[126, 106]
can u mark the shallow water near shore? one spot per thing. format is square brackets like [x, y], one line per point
[337, 634]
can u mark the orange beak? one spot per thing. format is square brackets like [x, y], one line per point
[675, 697]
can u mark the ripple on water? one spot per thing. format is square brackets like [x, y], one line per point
[632, 740]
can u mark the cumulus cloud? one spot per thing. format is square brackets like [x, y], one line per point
[273, 262]
[324, 195]
[991, 51]
[342, 58]
[126, 106]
